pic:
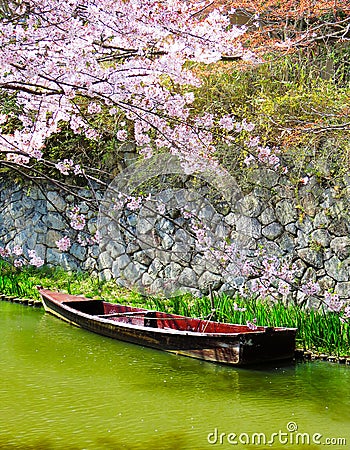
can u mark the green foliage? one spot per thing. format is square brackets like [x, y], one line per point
[102, 154]
[299, 103]
[10, 107]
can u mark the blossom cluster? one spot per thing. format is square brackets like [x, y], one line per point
[17, 257]
[77, 220]
[262, 154]
[64, 244]
[67, 167]
[267, 275]
[85, 240]
[131, 202]
[117, 56]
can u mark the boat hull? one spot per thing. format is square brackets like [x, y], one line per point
[236, 348]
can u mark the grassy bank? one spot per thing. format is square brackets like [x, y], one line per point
[318, 331]
[295, 104]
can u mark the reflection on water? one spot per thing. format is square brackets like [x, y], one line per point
[62, 387]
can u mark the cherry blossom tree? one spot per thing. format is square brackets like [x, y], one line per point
[129, 57]
[65, 63]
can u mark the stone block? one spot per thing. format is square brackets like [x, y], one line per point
[51, 237]
[105, 261]
[188, 278]
[285, 212]
[17, 210]
[181, 253]
[173, 270]
[141, 257]
[287, 243]
[248, 226]
[208, 280]
[339, 228]
[343, 290]
[272, 231]
[320, 237]
[265, 177]
[338, 269]
[133, 272]
[341, 247]
[64, 260]
[311, 257]
[321, 220]
[250, 206]
[267, 216]
[167, 242]
[89, 265]
[78, 251]
[55, 202]
[326, 283]
[55, 221]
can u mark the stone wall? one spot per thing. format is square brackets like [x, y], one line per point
[308, 223]
[35, 218]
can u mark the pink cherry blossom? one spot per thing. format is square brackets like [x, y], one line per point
[347, 312]
[248, 160]
[34, 259]
[63, 244]
[251, 326]
[122, 135]
[65, 166]
[311, 288]
[17, 250]
[227, 122]
[94, 108]
[146, 152]
[4, 252]
[18, 263]
[134, 203]
[247, 126]
[73, 52]
[237, 308]
[333, 302]
[78, 222]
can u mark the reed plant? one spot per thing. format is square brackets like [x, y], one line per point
[22, 282]
[15, 283]
[318, 330]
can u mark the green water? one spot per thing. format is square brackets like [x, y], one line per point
[66, 388]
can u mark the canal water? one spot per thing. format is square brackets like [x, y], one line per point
[65, 388]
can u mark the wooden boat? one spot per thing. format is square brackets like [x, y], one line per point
[197, 338]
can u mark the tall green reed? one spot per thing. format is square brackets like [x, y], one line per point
[318, 330]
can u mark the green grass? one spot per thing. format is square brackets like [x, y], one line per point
[318, 331]
[286, 97]
[22, 282]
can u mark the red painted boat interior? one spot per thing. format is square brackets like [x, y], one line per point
[154, 319]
